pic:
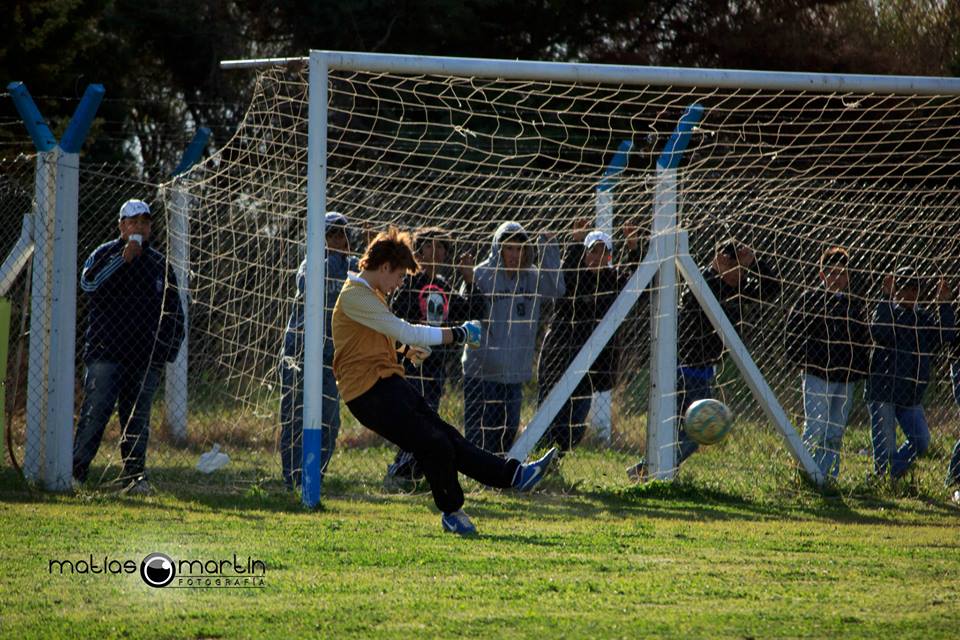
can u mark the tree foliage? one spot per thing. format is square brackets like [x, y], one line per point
[159, 59]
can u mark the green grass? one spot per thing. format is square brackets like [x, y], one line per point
[582, 558]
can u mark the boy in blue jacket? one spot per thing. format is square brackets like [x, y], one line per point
[905, 337]
[339, 262]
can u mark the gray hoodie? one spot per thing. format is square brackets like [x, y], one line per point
[513, 300]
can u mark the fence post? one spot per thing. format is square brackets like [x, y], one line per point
[662, 436]
[52, 369]
[178, 252]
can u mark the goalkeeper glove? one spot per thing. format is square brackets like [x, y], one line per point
[469, 333]
[416, 354]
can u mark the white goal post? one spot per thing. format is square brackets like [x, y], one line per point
[666, 258]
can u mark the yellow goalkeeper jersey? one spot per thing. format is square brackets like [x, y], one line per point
[363, 352]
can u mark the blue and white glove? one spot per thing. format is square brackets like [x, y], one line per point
[469, 333]
[474, 333]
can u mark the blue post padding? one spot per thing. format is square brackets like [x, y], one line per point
[43, 138]
[312, 446]
[617, 165]
[194, 151]
[82, 118]
[673, 151]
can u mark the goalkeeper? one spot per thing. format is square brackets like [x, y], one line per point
[737, 278]
[428, 298]
[372, 382]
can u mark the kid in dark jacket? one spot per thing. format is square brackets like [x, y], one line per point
[828, 336]
[592, 285]
[905, 338]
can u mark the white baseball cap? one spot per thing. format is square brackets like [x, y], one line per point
[335, 217]
[598, 236]
[134, 208]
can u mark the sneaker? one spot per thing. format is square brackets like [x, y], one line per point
[138, 487]
[458, 522]
[528, 475]
[638, 472]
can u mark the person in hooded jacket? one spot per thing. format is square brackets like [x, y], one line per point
[592, 285]
[514, 286]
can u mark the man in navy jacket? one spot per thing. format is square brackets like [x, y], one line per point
[135, 324]
[905, 337]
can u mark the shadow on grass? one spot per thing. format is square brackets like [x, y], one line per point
[248, 498]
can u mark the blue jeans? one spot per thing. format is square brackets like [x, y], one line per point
[491, 413]
[826, 409]
[953, 472]
[690, 388]
[291, 420]
[130, 389]
[884, 417]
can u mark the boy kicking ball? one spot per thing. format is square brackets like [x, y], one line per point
[371, 382]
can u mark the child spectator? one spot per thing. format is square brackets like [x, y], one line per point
[905, 338]
[827, 335]
[592, 285]
[738, 278]
[494, 373]
[339, 262]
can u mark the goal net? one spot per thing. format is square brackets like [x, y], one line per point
[771, 179]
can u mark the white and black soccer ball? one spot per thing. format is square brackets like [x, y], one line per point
[707, 421]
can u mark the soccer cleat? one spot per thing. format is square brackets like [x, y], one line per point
[458, 522]
[529, 475]
[138, 487]
[638, 472]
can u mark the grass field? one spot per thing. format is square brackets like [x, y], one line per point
[577, 559]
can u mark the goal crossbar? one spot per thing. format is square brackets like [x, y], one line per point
[612, 73]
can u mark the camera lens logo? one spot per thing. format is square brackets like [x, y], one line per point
[157, 570]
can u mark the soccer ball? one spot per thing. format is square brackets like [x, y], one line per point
[707, 421]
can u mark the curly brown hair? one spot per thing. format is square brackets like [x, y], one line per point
[834, 257]
[393, 247]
